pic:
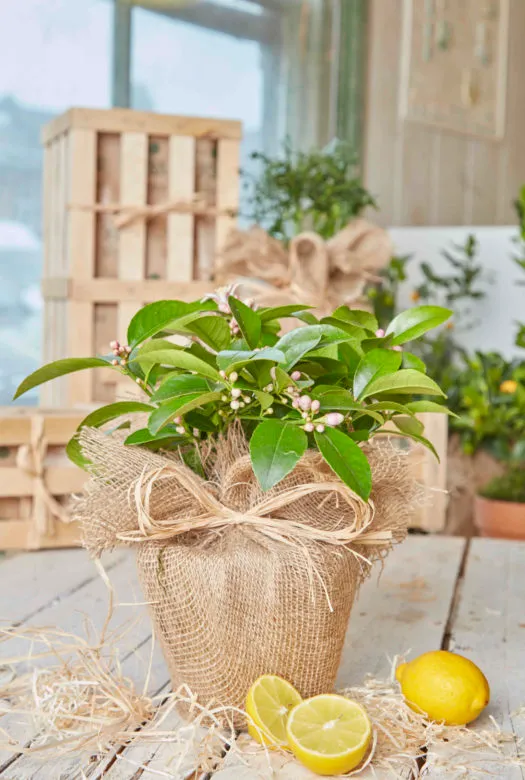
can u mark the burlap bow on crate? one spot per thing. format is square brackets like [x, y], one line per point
[241, 582]
[323, 273]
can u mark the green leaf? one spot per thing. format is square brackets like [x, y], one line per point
[280, 312]
[180, 384]
[375, 364]
[408, 430]
[265, 399]
[390, 406]
[100, 417]
[230, 359]
[213, 330]
[412, 361]
[248, 321]
[405, 381]
[337, 398]
[354, 331]
[275, 449]
[297, 343]
[58, 368]
[416, 407]
[412, 323]
[176, 407]
[155, 317]
[347, 459]
[409, 425]
[144, 436]
[356, 317]
[180, 359]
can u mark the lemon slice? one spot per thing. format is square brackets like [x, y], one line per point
[329, 734]
[268, 704]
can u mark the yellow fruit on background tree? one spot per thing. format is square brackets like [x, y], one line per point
[444, 686]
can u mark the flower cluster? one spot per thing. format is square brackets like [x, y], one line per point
[121, 352]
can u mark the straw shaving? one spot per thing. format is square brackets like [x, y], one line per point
[83, 704]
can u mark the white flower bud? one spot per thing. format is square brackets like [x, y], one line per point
[236, 392]
[138, 381]
[305, 402]
[114, 362]
[177, 420]
[235, 405]
[316, 405]
[296, 375]
[305, 415]
[269, 410]
[222, 374]
[334, 418]
[180, 429]
[196, 432]
[224, 398]
[319, 428]
[234, 376]
[246, 399]
[295, 403]
[114, 345]
[308, 427]
[242, 404]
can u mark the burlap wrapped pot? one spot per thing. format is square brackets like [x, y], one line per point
[241, 582]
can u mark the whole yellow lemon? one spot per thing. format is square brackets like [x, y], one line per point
[445, 686]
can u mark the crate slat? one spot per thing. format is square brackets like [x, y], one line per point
[180, 226]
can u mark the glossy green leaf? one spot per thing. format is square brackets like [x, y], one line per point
[180, 384]
[279, 312]
[405, 381]
[390, 406]
[212, 330]
[375, 364]
[98, 418]
[155, 317]
[347, 459]
[413, 323]
[176, 407]
[235, 359]
[363, 319]
[275, 449]
[337, 399]
[265, 400]
[408, 431]
[144, 436]
[409, 425]
[248, 321]
[56, 369]
[297, 343]
[417, 407]
[412, 361]
[180, 359]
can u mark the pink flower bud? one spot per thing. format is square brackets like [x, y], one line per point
[309, 427]
[305, 402]
[196, 432]
[222, 374]
[224, 308]
[128, 349]
[380, 333]
[114, 345]
[397, 348]
[319, 428]
[295, 375]
[295, 403]
[316, 405]
[334, 418]
[114, 362]
[305, 415]
[177, 420]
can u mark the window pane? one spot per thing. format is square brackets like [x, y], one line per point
[53, 55]
[183, 68]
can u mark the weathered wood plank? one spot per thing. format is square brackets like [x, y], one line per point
[406, 610]
[488, 626]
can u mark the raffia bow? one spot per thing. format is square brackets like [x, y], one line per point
[31, 459]
[323, 273]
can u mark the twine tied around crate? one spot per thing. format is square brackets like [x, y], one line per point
[323, 273]
[30, 459]
[125, 215]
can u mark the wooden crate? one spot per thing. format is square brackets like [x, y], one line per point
[104, 165]
[429, 471]
[34, 473]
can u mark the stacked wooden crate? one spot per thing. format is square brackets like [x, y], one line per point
[136, 207]
[37, 478]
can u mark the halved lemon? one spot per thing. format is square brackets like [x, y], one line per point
[329, 734]
[268, 704]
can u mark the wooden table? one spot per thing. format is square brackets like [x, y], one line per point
[434, 592]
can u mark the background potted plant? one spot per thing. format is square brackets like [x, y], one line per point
[500, 505]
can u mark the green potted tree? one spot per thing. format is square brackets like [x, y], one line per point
[500, 505]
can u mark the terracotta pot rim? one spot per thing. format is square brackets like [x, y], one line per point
[499, 501]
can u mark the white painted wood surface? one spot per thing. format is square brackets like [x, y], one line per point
[427, 597]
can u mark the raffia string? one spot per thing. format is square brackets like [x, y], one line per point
[31, 459]
[125, 215]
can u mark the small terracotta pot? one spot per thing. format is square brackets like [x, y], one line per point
[499, 519]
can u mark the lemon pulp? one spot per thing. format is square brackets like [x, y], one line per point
[445, 686]
[329, 734]
[268, 704]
